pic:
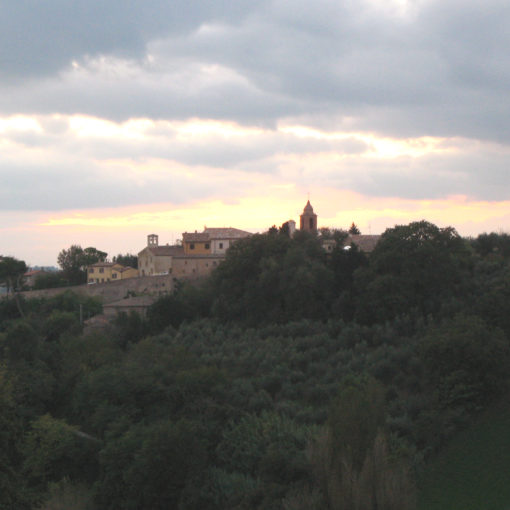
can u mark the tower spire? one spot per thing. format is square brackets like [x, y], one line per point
[308, 220]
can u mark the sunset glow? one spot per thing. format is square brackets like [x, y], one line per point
[233, 117]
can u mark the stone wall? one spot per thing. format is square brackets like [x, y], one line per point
[113, 291]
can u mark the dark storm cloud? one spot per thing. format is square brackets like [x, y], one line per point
[39, 38]
[439, 68]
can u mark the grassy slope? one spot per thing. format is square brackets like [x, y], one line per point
[473, 472]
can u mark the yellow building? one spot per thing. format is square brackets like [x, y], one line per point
[103, 272]
[196, 243]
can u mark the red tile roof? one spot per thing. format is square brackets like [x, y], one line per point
[195, 237]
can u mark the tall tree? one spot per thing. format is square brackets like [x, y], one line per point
[354, 230]
[11, 272]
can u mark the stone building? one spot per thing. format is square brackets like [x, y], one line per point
[199, 254]
[155, 259]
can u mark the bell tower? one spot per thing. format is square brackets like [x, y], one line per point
[308, 220]
[152, 240]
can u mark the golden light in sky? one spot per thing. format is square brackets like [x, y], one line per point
[243, 195]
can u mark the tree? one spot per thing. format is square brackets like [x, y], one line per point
[496, 245]
[466, 362]
[54, 450]
[354, 230]
[273, 278]
[12, 494]
[152, 466]
[126, 260]
[49, 280]
[352, 462]
[92, 255]
[415, 269]
[11, 273]
[75, 260]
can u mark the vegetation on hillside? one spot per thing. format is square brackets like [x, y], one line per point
[291, 379]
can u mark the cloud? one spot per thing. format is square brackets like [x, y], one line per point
[41, 38]
[59, 162]
[437, 69]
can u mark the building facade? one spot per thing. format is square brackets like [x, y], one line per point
[157, 260]
[199, 254]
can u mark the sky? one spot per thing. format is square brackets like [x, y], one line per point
[121, 119]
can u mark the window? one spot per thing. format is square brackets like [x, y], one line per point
[207, 246]
[311, 223]
[91, 269]
[114, 275]
[101, 269]
[192, 246]
[221, 246]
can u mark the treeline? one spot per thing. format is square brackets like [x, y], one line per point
[417, 271]
[291, 379]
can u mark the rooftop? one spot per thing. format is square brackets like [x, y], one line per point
[226, 233]
[166, 250]
[364, 242]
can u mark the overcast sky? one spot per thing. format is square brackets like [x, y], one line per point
[123, 118]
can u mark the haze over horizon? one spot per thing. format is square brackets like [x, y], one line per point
[118, 120]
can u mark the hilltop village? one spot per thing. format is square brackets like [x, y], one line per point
[200, 252]
[246, 389]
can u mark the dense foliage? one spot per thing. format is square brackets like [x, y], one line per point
[292, 379]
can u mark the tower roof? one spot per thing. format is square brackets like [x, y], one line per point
[308, 208]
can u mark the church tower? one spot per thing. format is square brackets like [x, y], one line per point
[308, 220]
[152, 240]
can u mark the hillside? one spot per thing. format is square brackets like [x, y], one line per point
[292, 379]
[473, 471]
